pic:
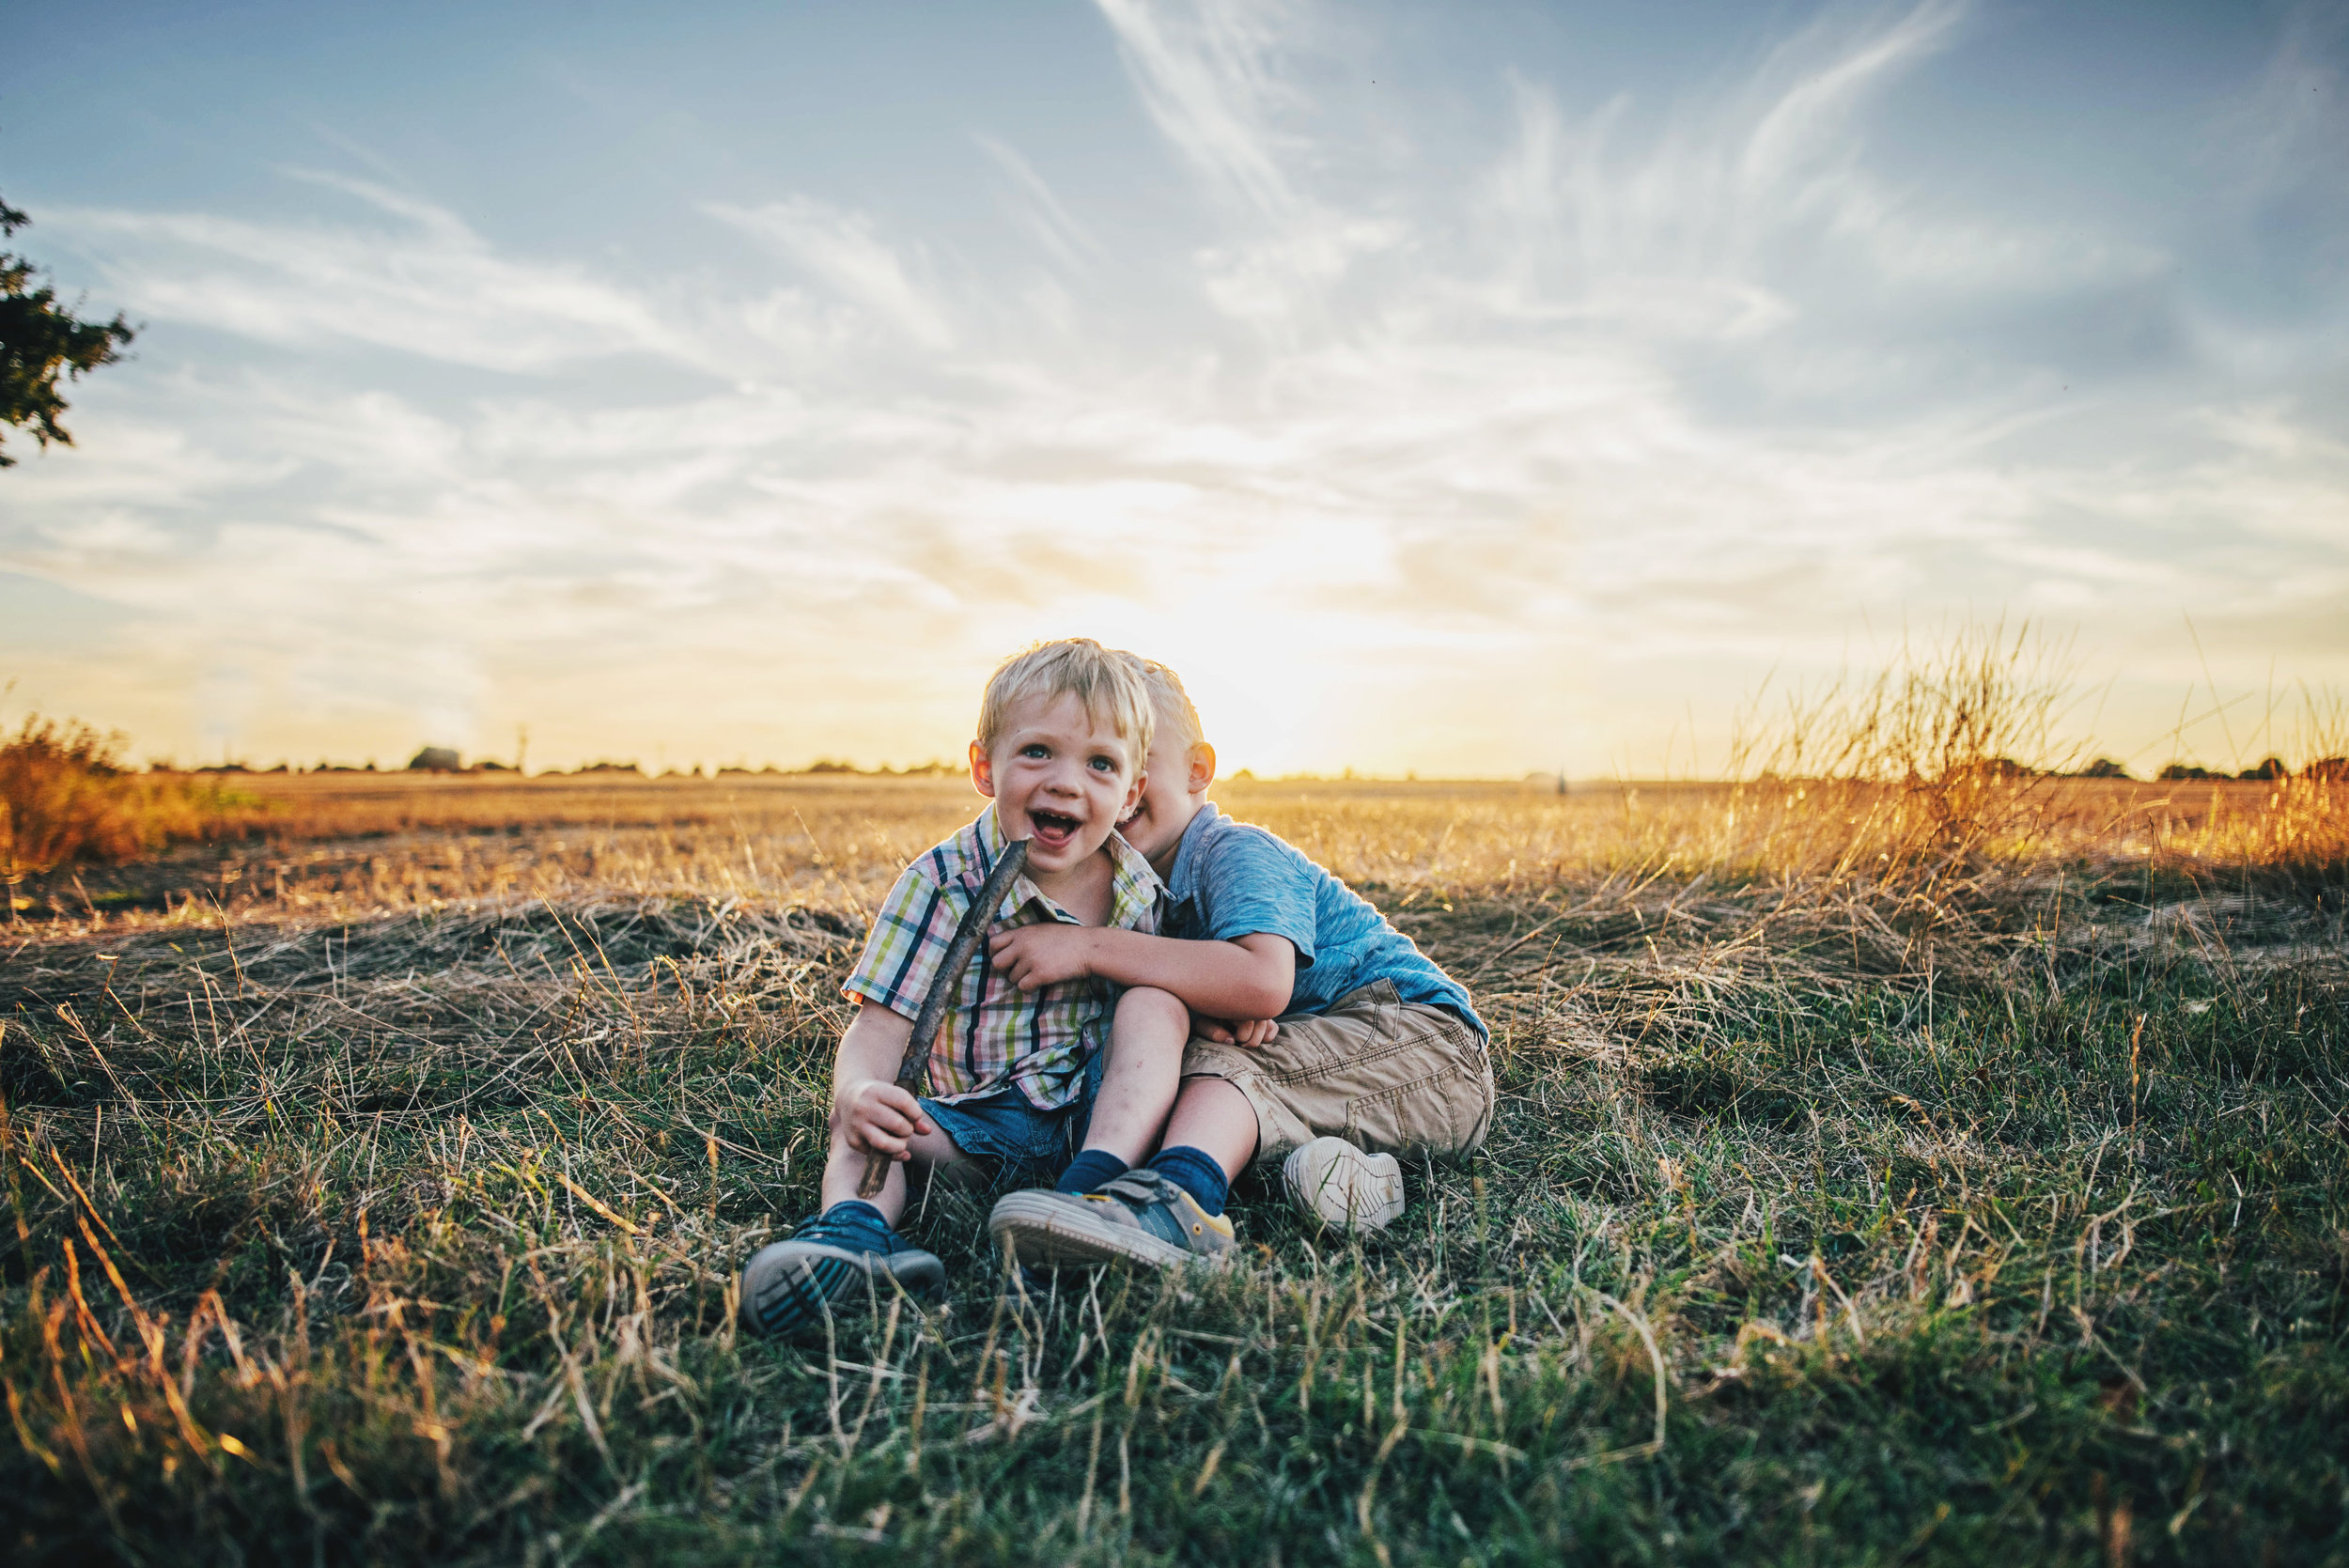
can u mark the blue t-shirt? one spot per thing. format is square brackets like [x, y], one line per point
[1230, 879]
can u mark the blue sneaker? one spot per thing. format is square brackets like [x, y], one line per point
[792, 1285]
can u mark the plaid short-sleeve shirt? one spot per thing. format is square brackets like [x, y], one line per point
[995, 1035]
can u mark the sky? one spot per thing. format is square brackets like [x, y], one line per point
[1465, 388]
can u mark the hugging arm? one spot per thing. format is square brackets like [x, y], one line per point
[1248, 977]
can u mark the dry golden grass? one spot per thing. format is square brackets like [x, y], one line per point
[1879, 868]
[1914, 795]
[470, 836]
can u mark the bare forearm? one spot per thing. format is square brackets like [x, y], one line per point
[872, 1049]
[869, 1111]
[1251, 978]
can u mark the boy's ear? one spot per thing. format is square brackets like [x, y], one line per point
[981, 771]
[1201, 767]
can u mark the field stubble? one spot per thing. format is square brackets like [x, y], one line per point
[1883, 1172]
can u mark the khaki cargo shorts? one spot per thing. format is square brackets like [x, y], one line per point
[1395, 1076]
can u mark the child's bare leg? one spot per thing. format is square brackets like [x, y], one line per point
[1214, 1117]
[1091, 1215]
[843, 1169]
[1139, 1075]
[1094, 1213]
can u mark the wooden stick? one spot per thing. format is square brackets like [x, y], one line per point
[975, 920]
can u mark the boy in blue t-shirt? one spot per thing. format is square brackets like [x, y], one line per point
[1352, 1045]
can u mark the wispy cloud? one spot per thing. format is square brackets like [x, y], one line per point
[1213, 76]
[425, 284]
[1208, 74]
[1041, 213]
[1831, 69]
[841, 250]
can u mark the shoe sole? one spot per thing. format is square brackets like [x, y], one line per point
[1342, 1186]
[820, 1275]
[1056, 1234]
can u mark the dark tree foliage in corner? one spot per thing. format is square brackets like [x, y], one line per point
[40, 342]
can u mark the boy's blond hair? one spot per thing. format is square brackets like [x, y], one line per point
[1105, 681]
[1168, 698]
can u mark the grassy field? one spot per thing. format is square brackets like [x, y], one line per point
[1883, 1174]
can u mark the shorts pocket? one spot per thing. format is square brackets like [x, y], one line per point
[1446, 1113]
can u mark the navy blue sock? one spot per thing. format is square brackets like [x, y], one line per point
[1090, 1172]
[1195, 1172]
[856, 1225]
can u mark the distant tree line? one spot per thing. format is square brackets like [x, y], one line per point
[2336, 768]
[448, 759]
[2269, 768]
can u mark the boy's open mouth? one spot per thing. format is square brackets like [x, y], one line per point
[1053, 828]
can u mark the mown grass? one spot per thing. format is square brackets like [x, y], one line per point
[389, 1211]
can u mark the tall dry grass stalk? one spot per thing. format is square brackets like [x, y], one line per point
[1936, 712]
[1948, 769]
[1936, 767]
[2298, 824]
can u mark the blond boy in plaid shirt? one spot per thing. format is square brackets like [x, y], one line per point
[1052, 1081]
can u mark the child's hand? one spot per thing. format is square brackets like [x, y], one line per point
[1248, 1033]
[881, 1118]
[1044, 953]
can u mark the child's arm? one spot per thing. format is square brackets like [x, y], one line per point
[877, 1116]
[1246, 977]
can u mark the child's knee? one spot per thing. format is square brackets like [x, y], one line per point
[1145, 1010]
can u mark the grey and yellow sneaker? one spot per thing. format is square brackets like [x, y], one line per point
[1342, 1186]
[1141, 1216]
[792, 1285]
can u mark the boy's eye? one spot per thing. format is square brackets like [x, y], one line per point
[1105, 764]
[1034, 749]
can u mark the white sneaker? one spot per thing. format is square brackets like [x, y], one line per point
[1344, 1187]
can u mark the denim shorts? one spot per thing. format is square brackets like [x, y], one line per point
[1027, 1147]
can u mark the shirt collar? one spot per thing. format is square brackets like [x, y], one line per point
[991, 839]
[1182, 878]
[1134, 885]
